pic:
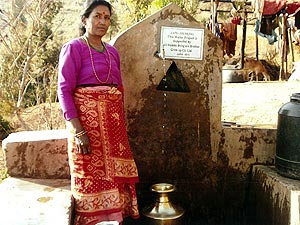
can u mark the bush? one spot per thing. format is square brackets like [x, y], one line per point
[5, 128]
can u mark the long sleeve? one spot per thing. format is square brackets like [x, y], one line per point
[68, 72]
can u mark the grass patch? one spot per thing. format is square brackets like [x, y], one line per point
[3, 174]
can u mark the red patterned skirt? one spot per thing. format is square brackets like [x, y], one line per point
[103, 182]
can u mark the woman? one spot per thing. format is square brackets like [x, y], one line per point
[103, 171]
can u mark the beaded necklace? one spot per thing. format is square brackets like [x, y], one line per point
[92, 61]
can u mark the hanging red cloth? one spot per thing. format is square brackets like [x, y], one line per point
[272, 7]
[229, 37]
[236, 20]
[291, 7]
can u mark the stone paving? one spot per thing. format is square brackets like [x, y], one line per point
[27, 201]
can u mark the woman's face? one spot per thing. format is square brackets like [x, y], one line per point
[98, 22]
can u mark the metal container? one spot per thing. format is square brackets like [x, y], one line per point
[163, 212]
[287, 159]
[108, 223]
[230, 74]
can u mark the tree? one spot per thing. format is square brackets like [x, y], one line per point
[132, 11]
[191, 6]
[28, 54]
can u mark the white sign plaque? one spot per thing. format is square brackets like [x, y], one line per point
[181, 43]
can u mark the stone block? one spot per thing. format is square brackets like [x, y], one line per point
[273, 199]
[35, 201]
[37, 154]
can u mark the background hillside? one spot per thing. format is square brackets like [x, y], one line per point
[68, 19]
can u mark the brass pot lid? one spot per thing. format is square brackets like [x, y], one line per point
[163, 188]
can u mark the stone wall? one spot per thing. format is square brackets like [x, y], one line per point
[272, 199]
[37, 154]
[177, 137]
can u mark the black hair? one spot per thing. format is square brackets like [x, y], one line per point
[93, 5]
[88, 10]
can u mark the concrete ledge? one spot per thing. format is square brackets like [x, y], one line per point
[35, 202]
[37, 154]
[273, 199]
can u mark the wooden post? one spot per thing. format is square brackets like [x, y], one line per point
[283, 45]
[285, 36]
[213, 17]
[291, 44]
[214, 7]
[256, 42]
[244, 24]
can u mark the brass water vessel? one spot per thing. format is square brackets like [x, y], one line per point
[163, 212]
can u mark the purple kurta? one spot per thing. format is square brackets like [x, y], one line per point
[75, 69]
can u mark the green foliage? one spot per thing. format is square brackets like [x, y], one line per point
[3, 174]
[5, 128]
[190, 6]
[140, 9]
[132, 11]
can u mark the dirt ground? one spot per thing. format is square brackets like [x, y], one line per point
[256, 103]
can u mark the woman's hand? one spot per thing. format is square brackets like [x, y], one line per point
[83, 144]
[81, 138]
